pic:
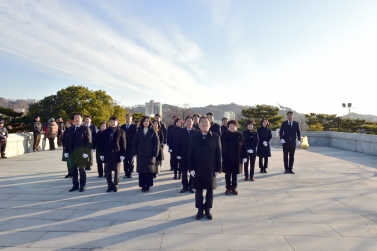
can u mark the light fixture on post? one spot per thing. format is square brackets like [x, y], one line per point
[347, 105]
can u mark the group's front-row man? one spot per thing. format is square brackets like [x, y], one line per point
[113, 152]
[183, 140]
[290, 137]
[204, 163]
[78, 148]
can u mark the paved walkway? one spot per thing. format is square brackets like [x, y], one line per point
[330, 204]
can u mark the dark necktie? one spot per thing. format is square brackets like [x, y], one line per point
[290, 124]
[127, 127]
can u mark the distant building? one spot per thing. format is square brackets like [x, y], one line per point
[229, 115]
[152, 108]
[19, 110]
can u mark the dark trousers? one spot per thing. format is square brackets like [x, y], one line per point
[174, 163]
[186, 178]
[228, 177]
[111, 166]
[289, 148]
[59, 139]
[90, 160]
[199, 199]
[251, 159]
[75, 176]
[100, 168]
[37, 140]
[51, 142]
[128, 163]
[261, 164]
[145, 180]
[3, 146]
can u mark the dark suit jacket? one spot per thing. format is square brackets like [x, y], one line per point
[93, 130]
[113, 148]
[204, 157]
[130, 134]
[224, 129]
[78, 143]
[290, 133]
[251, 140]
[196, 126]
[233, 151]
[182, 143]
[215, 128]
[165, 132]
[145, 147]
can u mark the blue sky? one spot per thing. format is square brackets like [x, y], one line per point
[308, 55]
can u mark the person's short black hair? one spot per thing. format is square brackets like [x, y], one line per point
[144, 119]
[289, 112]
[178, 119]
[250, 122]
[204, 117]
[210, 114]
[197, 115]
[174, 117]
[189, 117]
[157, 115]
[113, 118]
[262, 120]
[232, 122]
[59, 117]
[77, 113]
[87, 116]
[224, 119]
[36, 116]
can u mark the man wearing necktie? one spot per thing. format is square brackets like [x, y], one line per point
[128, 163]
[290, 137]
[78, 148]
[204, 163]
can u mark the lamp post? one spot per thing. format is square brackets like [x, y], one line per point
[348, 105]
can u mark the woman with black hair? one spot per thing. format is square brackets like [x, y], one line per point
[234, 155]
[264, 147]
[97, 146]
[172, 142]
[145, 148]
[251, 140]
[160, 156]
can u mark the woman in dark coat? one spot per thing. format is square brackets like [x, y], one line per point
[173, 137]
[251, 140]
[234, 155]
[69, 123]
[160, 156]
[96, 145]
[264, 147]
[145, 148]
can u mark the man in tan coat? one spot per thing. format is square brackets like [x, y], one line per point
[52, 131]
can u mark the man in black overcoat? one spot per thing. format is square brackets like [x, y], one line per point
[170, 129]
[128, 163]
[78, 148]
[37, 132]
[113, 152]
[215, 128]
[93, 130]
[224, 126]
[290, 136]
[183, 140]
[204, 163]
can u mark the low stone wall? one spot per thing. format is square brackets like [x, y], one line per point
[21, 143]
[363, 143]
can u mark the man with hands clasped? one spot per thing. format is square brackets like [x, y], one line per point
[78, 147]
[204, 163]
[290, 138]
[113, 152]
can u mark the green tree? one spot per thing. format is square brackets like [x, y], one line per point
[258, 113]
[66, 102]
[352, 125]
[316, 127]
[329, 122]
[370, 128]
[14, 121]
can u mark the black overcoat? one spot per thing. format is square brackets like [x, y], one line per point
[224, 129]
[130, 134]
[64, 139]
[183, 140]
[78, 143]
[145, 147]
[264, 134]
[251, 140]
[97, 146]
[113, 147]
[204, 157]
[172, 142]
[233, 151]
[161, 138]
[215, 128]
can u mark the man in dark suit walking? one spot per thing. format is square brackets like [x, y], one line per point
[289, 137]
[93, 130]
[183, 140]
[215, 128]
[204, 163]
[78, 147]
[113, 152]
[128, 163]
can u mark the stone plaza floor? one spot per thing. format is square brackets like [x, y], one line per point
[329, 204]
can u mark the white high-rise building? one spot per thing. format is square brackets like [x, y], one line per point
[229, 115]
[152, 108]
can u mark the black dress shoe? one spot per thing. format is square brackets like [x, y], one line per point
[68, 175]
[192, 190]
[109, 189]
[286, 171]
[115, 189]
[179, 176]
[82, 189]
[175, 176]
[4, 157]
[130, 176]
[291, 172]
[143, 189]
[199, 215]
[264, 170]
[100, 176]
[261, 170]
[209, 215]
[125, 176]
[73, 189]
[147, 189]
[183, 190]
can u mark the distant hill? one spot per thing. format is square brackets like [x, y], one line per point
[17, 103]
[367, 117]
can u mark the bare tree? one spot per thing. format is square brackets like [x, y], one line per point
[185, 110]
